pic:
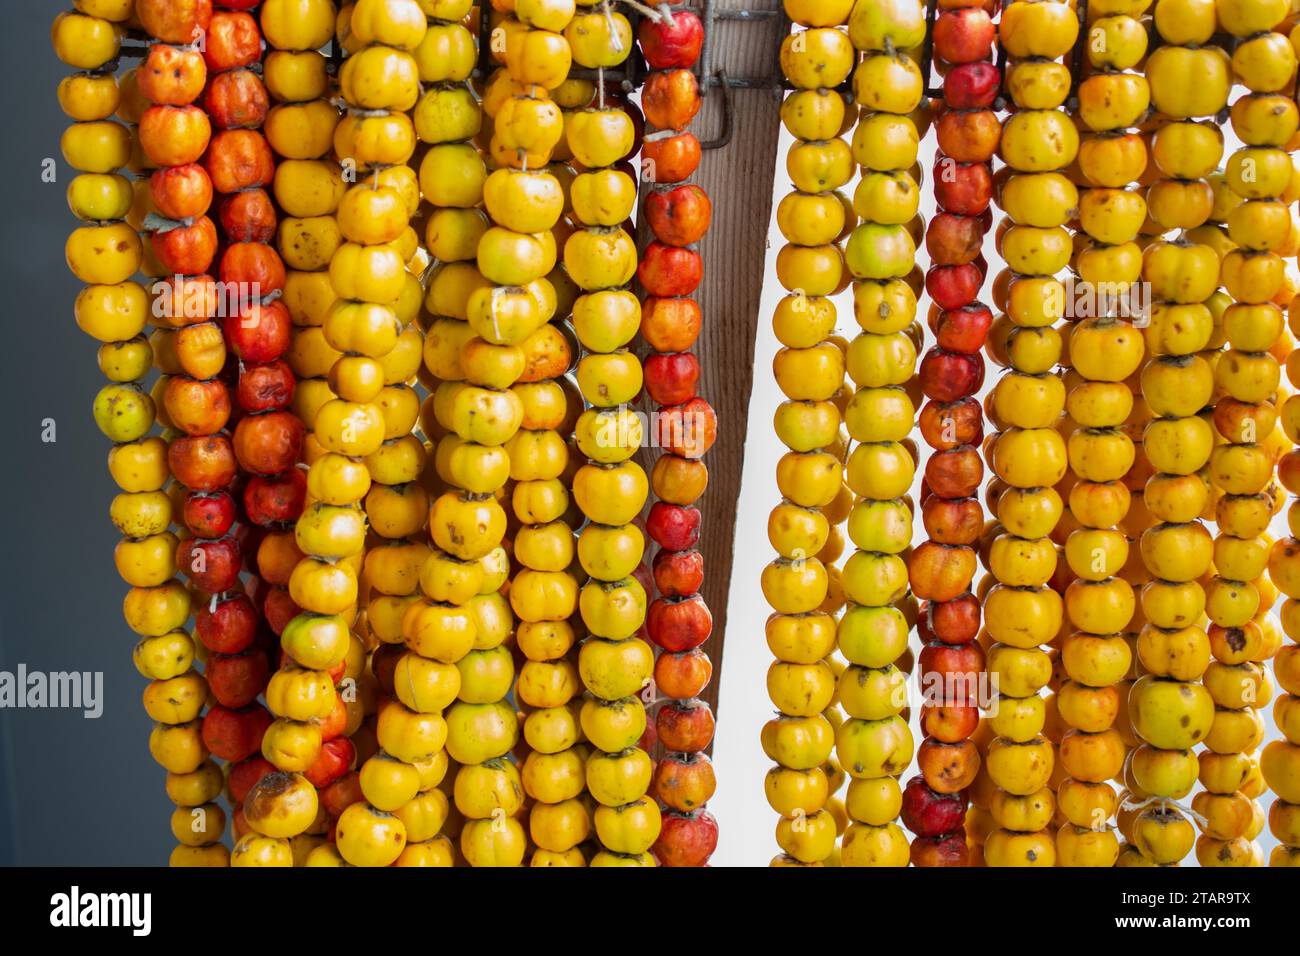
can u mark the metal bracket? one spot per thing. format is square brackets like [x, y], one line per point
[728, 115]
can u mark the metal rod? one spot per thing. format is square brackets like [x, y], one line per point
[1076, 57]
[728, 115]
[927, 49]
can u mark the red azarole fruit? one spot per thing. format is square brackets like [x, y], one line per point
[952, 671]
[279, 608]
[248, 216]
[956, 473]
[671, 45]
[952, 424]
[208, 514]
[963, 36]
[686, 839]
[228, 625]
[952, 286]
[927, 813]
[202, 462]
[211, 564]
[685, 726]
[332, 763]
[949, 850]
[965, 189]
[678, 573]
[186, 249]
[678, 625]
[957, 521]
[949, 376]
[341, 794]
[679, 216]
[954, 240]
[955, 621]
[963, 330]
[669, 271]
[236, 680]
[258, 333]
[275, 499]
[673, 527]
[266, 387]
[233, 735]
[671, 379]
[972, 86]
[245, 775]
[270, 443]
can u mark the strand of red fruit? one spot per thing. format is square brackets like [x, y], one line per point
[193, 390]
[1022, 611]
[104, 254]
[1105, 353]
[815, 59]
[1245, 415]
[249, 271]
[952, 423]
[678, 621]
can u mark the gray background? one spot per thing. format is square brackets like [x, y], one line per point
[72, 791]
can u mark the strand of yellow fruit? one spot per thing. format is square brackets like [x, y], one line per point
[113, 309]
[1169, 709]
[287, 816]
[308, 188]
[874, 744]
[419, 641]
[1022, 611]
[610, 489]
[1155, 376]
[1257, 178]
[514, 301]
[800, 633]
[461, 588]
[383, 73]
[362, 326]
[559, 820]
[553, 771]
[1280, 759]
[1105, 351]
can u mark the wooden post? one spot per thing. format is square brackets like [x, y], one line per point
[738, 178]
